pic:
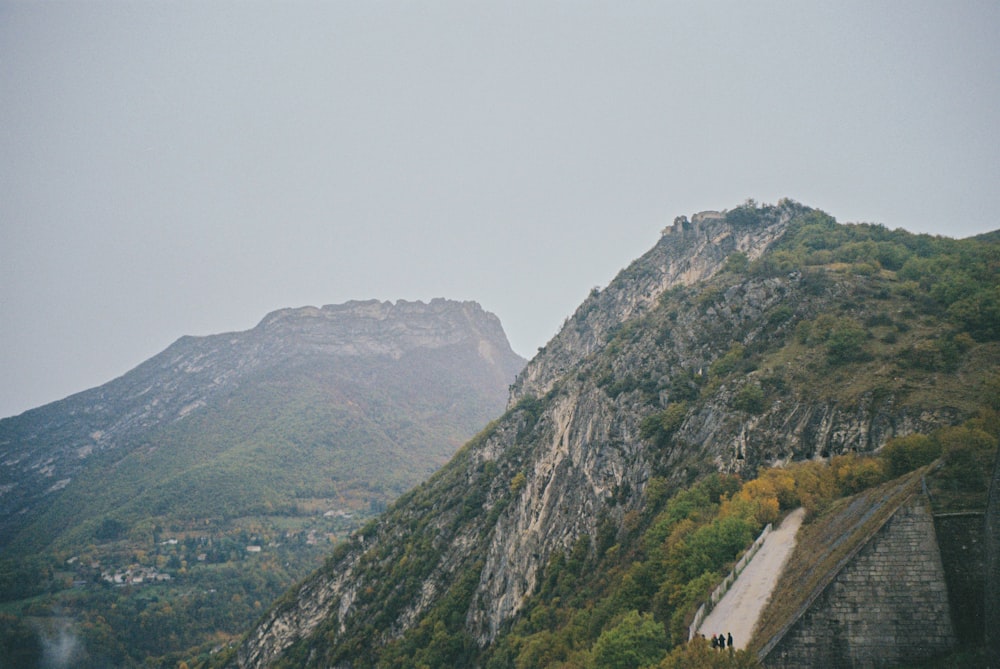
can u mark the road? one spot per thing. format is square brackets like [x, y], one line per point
[739, 609]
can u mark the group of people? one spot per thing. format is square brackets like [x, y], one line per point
[720, 642]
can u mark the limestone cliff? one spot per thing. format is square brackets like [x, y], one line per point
[686, 254]
[713, 351]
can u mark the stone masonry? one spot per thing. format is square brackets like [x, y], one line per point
[992, 541]
[963, 555]
[886, 607]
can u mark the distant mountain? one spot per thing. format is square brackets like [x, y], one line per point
[744, 339]
[287, 435]
[360, 399]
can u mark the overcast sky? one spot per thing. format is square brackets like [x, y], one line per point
[173, 168]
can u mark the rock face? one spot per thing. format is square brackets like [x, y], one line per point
[584, 450]
[451, 344]
[649, 377]
[686, 253]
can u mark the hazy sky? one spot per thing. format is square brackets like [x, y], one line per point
[172, 168]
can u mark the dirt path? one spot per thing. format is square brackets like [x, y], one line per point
[739, 609]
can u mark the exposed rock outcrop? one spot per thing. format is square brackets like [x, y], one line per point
[687, 253]
[683, 364]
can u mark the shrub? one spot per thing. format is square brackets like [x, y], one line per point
[757, 500]
[815, 486]
[750, 398]
[968, 456]
[979, 313]
[904, 454]
[660, 426]
[854, 474]
[737, 263]
[746, 215]
[845, 342]
[782, 482]
[637, 641]
[517, 483]
[777, 263]
[729, 362]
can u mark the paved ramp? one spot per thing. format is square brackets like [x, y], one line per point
[738, 610]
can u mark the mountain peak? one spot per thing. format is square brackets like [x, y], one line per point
[195, 372]
[374, 327]
[741, 340]
[687, 252]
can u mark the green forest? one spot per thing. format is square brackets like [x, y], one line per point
[129, 601]
[174, 546]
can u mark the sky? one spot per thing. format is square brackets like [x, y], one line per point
[184, 168]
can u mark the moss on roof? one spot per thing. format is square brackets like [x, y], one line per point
[823, 547]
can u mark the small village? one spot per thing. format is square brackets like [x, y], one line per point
[135, 575]
[170, 559]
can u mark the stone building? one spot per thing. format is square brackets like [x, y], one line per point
[886, 607]
[882, 602]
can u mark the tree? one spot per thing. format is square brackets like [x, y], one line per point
[904, 454]
[698, 655]
[636, 641]
[660, 427]
[846, 342]
[750, 399]
[110, 530]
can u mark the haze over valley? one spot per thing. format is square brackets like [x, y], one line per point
[498, 335]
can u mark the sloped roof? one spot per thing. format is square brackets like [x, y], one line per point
[824, 547]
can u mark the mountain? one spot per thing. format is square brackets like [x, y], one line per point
[744, 339]
[399, 385]
[289, 434]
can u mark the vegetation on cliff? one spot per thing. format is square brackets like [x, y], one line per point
[645, 451]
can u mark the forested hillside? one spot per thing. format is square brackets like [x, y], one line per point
[754, 360]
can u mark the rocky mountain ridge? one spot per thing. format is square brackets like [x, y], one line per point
[582, 455]
[703, 355]
[687, 252]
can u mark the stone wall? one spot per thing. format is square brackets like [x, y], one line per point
[963, 555]
[887, 607]
[992, 541]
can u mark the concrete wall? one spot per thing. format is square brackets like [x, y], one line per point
[885, 608]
